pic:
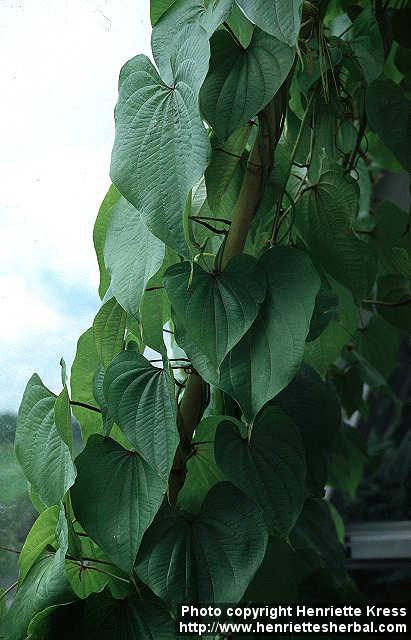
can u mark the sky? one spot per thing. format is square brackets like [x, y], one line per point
[59, 66]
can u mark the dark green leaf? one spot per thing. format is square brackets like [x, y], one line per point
[210, 557]
[216, 309]
[326, 305]
[394, 289]
[115, 498]
[389, 115]
[202, 470]
[240, 83]
[366, 43]
[141, 400]
[324, 217]
[269, 466]
[301, 401]
[347, 462]
[379, 343]
[131, 619]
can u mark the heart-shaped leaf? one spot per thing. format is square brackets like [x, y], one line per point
[40, 449]
[142, 402]
[132, 255]
[181, 14]
[108, 329]
[115, 498]
[240, 83]
[210, 557]
[269, 466]
[158, 153]
[216, 309]
[324, 217]
[106, 618]
[319, 429]
[281, 18]
[389, 114]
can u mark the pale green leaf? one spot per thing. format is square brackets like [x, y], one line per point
[108, 330]
[280, 18]
[41, 534]
[132, 255]
[99, 236]
[161, 148]
[42, 453]
[86, 364]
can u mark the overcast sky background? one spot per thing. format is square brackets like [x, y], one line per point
[59, 66]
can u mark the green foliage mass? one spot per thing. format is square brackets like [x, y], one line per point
[247, 239]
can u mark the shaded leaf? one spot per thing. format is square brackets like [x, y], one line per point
[269, 466]
[210, 557]
[216, 309]
[115, 498]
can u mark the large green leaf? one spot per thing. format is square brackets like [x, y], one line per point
[85, 366]
[161, 148]
[315, 536]
[131, 619]
[142, 402]
[41, 451]
[314, 407]
[108, 329]
[41, 534]
[181, 14]
[346, 464]
[393, 289]
[366, 43]
[216, 309]
[379, 343]
[240, 83]
[276, 579]
[325, 214]
[99, 236]
[86, 577]
[132, 255]
[202, 470]
[269, 466]
[44, 585]
[210, 557]
[389, 115]
[280, 18]
[269, 355]
[115, 498]
[324, 350]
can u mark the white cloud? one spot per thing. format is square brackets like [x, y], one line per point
[59, 66]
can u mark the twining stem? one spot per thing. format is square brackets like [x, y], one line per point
[259, 164]
[245, 208]
[386, 303]
[84, 405]
[10, 588]
[303, 124]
